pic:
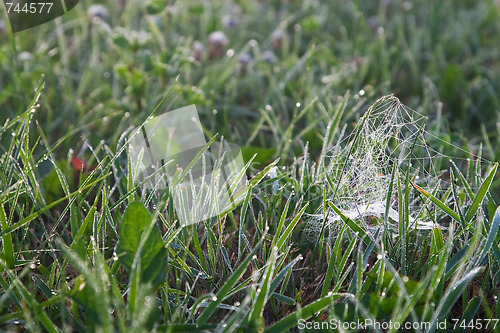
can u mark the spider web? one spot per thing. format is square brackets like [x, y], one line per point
[389, 139]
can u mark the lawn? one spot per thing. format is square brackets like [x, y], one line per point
[369, 135]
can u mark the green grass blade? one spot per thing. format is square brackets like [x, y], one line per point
[290, 227]
[226, 288]
[481, 193]
[438, 202]
[8, 248]
[495, 225]
[304, 313]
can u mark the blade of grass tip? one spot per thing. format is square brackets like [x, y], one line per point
[332, 129]
[389, 197]
[470, 312]
[464, 181]
[226, 288]
[244, 210]
[8, 248]
[304, 313]
[495, 225]
[184, 172]
[130, 179]
[281, 222]
[481, 193]
[255, 315]
[290, 227]
[32, 304]
[402, 225]
[38, 213]
[457, 200]
[335, 254]
[451, 295]
[438, 202]
[231, 324]
[277, 279]
[366, 237]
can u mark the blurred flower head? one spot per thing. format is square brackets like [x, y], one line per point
[198, 50]
[230, 21]
[269, 56]
[25, 56]
[97, 12]
[277, 38]
[217, 44]
[244, 60]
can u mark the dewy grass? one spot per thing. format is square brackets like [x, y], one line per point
[359, 173]
[345, 219]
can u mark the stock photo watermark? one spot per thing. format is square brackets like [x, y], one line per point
[170, 151]
[370, 325]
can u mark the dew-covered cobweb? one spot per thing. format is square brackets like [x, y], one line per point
[390, 139]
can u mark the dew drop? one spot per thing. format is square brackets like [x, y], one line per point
[298, 104]
[32, 266]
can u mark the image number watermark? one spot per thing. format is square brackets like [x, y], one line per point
[171, 151]
[26, 14]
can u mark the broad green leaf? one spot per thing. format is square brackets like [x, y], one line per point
[153, 255]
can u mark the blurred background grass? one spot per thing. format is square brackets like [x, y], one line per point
[106, 68]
